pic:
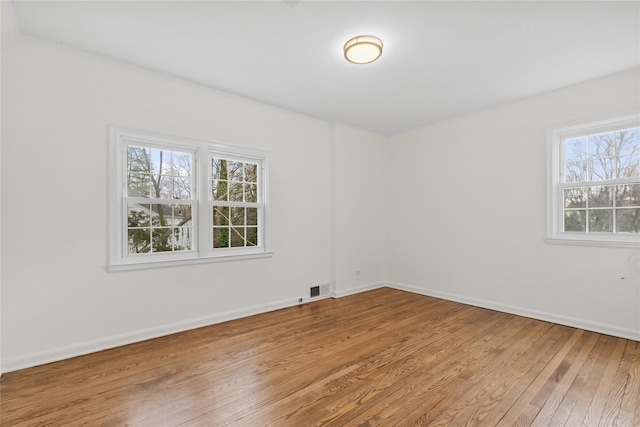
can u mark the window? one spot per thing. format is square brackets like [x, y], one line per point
[174, 200]
[595, 182]
[235, 204]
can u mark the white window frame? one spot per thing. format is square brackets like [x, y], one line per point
[202, 152]
[555, 211]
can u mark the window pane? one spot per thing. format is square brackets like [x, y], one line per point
[221, 237]
[602, 152]
[575, 197]
[601, 220]
[602, 145]
[182, 239]
[161, 239]
[237, 237]
[575, 221]
[575, 149]
[138, 159]
[237, 216]
[602, 168]
[235, 170]
[252, 236]
[181, 215]
[220, 190]
[220, 215]
[601, 196]
[160, 215]
[628, 195]
[251, 193]
[628, 142]
[219, 168]
[250, 172]
[161, 186]
[628, 220]
[235, 191]
[181, 164]
[252, 216]
[169, 178]
[628, 166]
[139, 240]
[138, 215]
[161, 162]
[138, 185]
[576, 172]
[181, 188]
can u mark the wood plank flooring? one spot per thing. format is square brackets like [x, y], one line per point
[379, 358]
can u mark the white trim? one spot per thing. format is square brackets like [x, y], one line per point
[555, 136]
[525, 312]
[357, 289]
[74, 350]
[62, 353]
[566, 239]
[186, 261]
[88, 347]
[307, 299]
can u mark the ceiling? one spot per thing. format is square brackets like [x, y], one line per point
[440, 59]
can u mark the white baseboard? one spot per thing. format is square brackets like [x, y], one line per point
[525, 312]
[356, 290]
[67, 352]
[80, 349]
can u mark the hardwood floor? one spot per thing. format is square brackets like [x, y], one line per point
[379, 358]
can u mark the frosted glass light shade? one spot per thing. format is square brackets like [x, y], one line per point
[363, 49]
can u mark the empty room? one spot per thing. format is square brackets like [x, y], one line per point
[306, 213]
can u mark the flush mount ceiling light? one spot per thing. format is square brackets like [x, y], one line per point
[363, 49]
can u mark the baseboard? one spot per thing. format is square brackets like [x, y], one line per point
[61, 353]
[358, 289]
[525, 312]
[67, 352]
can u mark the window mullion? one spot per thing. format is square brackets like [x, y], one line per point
[587, 205]
[236, 204]
[204, 209]
[615, 208]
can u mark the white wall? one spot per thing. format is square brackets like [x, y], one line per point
[360, 189]
[1, 205]
[470, 214]
[57, 298]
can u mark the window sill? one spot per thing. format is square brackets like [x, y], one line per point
[582, 241]
[187, 261]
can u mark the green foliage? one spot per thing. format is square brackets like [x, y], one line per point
[220, 237]
[575, 221]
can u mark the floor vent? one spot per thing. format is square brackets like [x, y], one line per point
[319, 291]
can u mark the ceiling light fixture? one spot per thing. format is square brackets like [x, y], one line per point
[363, 49]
